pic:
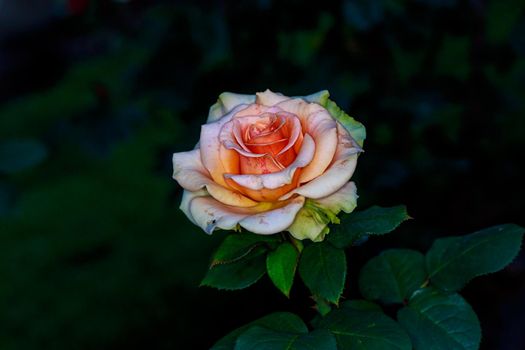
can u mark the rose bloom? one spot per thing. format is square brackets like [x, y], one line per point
[271, 163]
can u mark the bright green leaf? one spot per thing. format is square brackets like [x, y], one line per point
[437, 321]
[372, 221]
[259, 338]
[323, 269]
[238, 245]
[279, 321]
[281, 265]
[393, 275]
[239, 274]
[453, 261]
[361, 326]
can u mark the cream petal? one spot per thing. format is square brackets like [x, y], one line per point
[312, 220]
[210, 147]
[320, 97]
[344, 199]
[317, 122]
[273, 221]
[337, 174]
[269, 98]
[187, 197]
[189, 171]
[192, 176]
[280, 178]
[226, 102]
[210, 214]
[254, 110]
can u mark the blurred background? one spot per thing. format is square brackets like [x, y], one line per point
[95, 96]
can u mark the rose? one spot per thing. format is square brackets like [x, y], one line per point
[271, 163]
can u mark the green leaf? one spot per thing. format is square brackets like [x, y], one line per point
[355, 128]
[239, 274]
[279, 321]
[361, 326]
[454, 261]
[393, 275]
[323, 269]
[238, 245]
[281, 265]
[259, 338]
[20, 154]
[362, 305]
[372, 221]
[437, 321]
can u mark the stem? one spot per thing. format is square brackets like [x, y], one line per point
[296, 243]
[321, 305]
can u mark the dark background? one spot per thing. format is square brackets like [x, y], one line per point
[95, 96]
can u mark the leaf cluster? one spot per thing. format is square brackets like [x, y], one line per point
[430, 312]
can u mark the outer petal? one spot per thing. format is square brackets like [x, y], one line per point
[275, 220]
[187, 197]
[280, 178]
[192, 176]
[320, 97]
[215, 158]
[269, 98]
[345, 199]
[210, 214]
[339, 172]
[355, 128]
[226, 102]
[317, 122]
[313, 219]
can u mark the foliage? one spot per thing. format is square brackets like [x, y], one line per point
[431, 317]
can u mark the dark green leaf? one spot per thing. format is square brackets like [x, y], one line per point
[393, 275]
[453, 261]
[239, 274]
[238, 245]
[20, 154]
[323, 269]
[362, 305]
[372, 221]
[259, 338]
[437, 321]
[362, 326]
[281, 265]
[279, 321]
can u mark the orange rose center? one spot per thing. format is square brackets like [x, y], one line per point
[268, 136]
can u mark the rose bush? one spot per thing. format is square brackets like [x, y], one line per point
[271, 163]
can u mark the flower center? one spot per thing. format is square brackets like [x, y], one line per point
[265, 143]
[267, 135]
